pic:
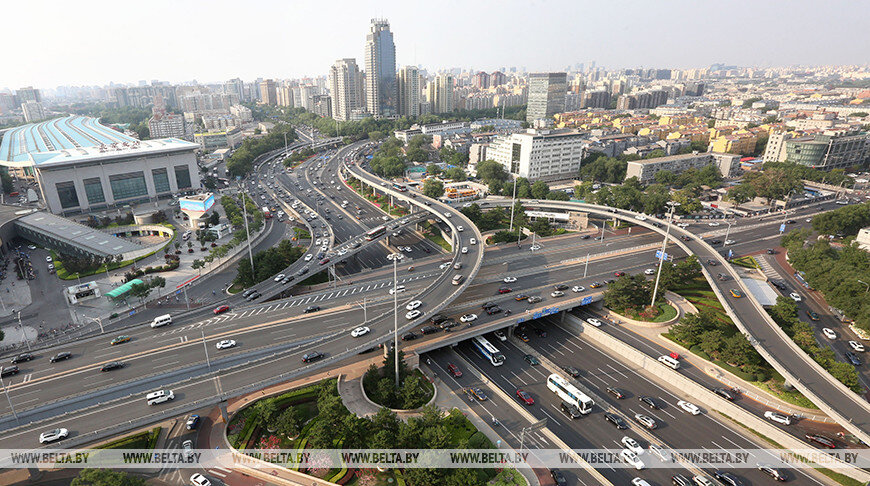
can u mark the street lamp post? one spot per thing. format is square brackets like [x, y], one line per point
[247, 232]
[673, 206]
[12, 407]
[513, 205]
[98, 320]
[26, 341]
[727, 232]
[396, 313]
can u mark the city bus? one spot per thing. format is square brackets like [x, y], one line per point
[569, 393]
[488, 351]
[371, 235]
[266, 213]
[399, 187]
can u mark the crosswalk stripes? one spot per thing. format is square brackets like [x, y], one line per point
[183, 339]
[766, 268]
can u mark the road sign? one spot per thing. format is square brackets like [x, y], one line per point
[668, 256]
[586, 300]
[782, 228]
[730, 254]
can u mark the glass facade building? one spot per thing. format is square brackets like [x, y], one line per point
[381, 90]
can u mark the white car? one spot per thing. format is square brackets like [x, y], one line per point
[360, 331]
[53, 435]
[408, 249]
[777, 417]
[729, 242]
[829, 333]
[509, 279]
[413, 315]
[317, 242]
[324, 248]
[468, 318]
[413, 305]
[308, 257]
[447, 215]
[631, 445]
[199, 480]
[557, 293]
[795, 296]
[701, 481]
[48, 259]
[279, 277]
[713, 223]
[640, 217]
[399, 288]
[683, 225]
[856, 346]
[535, 248]
[689, 407]
[472, 241]
[464, 250]
[443, 266]
[631, 459]
[226, 343]
[593, 322]
[649, 271]
[639, 482]
[460, 229]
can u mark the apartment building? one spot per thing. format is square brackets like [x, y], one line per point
[540, 154]
[645, 170]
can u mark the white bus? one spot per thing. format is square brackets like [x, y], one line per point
[569, 393]
[488, 351]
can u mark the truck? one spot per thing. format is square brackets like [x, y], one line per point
[266, 213]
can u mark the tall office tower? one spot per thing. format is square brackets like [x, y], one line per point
[236, 87]
[496, 79]
[408, 81]
[546, 95]
[441, 93]
[269, 92]
[28, 93]
[381, 92]
[481, 80]
[345, 88]
[285, 96]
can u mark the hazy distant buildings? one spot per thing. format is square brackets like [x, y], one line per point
[408, 84]
[235, 87]
[33, 111]
[28, 93]
[642, 100]
[166, 126]
[321, 105]
[440, 93]
[268, 92]
[346, 88]
[546, 95]
[380, 63]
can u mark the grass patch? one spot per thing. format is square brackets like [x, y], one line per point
[143, 440]
[666, 312]
[317, 278]
[793, 397]
[236, 288]
[433, 235]
[745, 261]
[302, 234]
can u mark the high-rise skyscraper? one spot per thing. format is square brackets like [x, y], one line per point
[546, 95]
[380, 62]
[441, 93]
[28, 93]
[344, 86]
[269, 92]
[236, 87]
[408, 81]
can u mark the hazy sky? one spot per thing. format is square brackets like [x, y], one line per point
[49, 43]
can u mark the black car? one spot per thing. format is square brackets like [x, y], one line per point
[726, 394]
[302, 272]
[438, 319]
[428, 330]
[409, 336]
[248, 292]
[853, 358]
[789, 221]
[584, 237]
[649, 402]
[493, 310]
[727, 478]
[540, 332]
[487, 305]
[561, 287]
[715, 242]
[773, 472]
[61, 356]
[771, 251]
[192, 422]
[112, 365]
[287, 279]
[311, 357]
[616, 420]
[8, 371]
[558, 477]
[686, 238]
[21, 358]
[778, 284]
[616, 392]
[572, 371]
[448, 325]
[311, 308]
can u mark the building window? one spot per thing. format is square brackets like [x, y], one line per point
[66, 192]
[161, 180]
[182, 176]
[125, 186]
[94, 191]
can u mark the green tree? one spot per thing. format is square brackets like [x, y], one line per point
[417, 155]
[628, 292]
[140, 291]
[490, 171]
[6, 181]
[413, 392]
[105, 477]
[433, 188]
[456, 174]
[540, 189]
[289, 422]
[433, 170]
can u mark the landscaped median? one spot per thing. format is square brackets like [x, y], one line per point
[314, 418]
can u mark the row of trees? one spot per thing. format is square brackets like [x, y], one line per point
[836, 272]
[633, 293]
[388, 160]
[380, 384]
[235, 215]
[847, 220]
[242, 160]
[785, 313]
[299, 156]
[267, 263]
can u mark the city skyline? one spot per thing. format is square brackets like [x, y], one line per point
[547, 36]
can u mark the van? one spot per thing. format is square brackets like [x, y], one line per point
[160, 396]
[669, 362]
[186, 236]
[458, 279]
[570, 410]
[161, 321]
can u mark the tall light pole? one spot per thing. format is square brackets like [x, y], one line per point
[673, 206]
[12, 407]
[727, 232]
[247, 232]
[396, 313]
[26, 341]
[98, 320]
[513, 205]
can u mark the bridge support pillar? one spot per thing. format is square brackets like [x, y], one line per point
[562, 316]
[224, 415]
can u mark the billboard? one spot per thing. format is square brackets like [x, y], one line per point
[196, 204]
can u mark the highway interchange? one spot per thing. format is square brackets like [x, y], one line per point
[269, 333]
